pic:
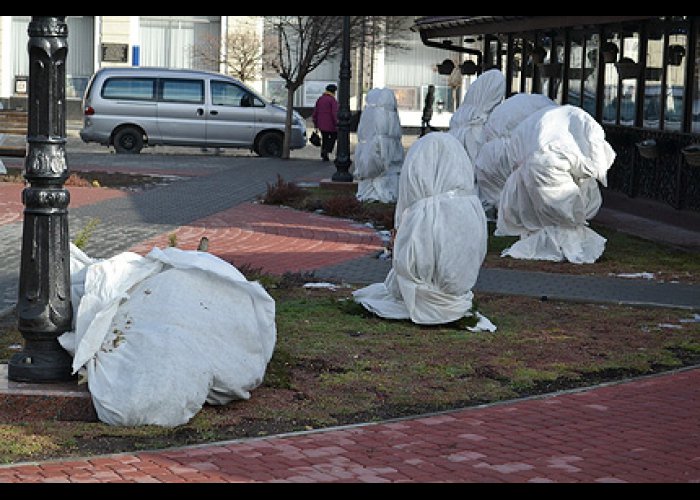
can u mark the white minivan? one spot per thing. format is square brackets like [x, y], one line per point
[131, 108]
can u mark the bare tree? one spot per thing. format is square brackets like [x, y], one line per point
[388, 31]
[301, 44]
[243, 51]
[376, 33]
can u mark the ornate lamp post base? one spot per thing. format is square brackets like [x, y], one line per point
[40, 362]
[342, 173]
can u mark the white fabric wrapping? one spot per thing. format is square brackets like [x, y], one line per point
[492, 168]
[160, 335]
[441, 238]
[467, 122]
[493, 165]
[510, 113]
[561, 155]
[379, 152]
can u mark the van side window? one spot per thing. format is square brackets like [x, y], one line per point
[180, 90]
[230, 94]
[139, 89]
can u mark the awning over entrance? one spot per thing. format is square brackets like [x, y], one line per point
[447, 26]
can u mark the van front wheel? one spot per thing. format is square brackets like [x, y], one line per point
[270, 145]
[128, 140]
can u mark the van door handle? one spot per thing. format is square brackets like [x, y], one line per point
[200, 111]
[213, 112]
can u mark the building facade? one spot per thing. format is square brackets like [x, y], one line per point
[200, 42]
[637, 75]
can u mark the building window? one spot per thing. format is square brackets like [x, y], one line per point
[575, 72]
[676, 67]
[181, 42]
[653, 73]
[621, 79]
[517, 82]
[81, 51]
[590, 73]
[664, 77]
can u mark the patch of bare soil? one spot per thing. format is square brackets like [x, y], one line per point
[115, 180]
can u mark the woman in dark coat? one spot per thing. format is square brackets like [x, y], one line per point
[325, 118]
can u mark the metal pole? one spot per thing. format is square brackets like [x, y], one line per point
[44, 304]
[342, 158]
[361, 64]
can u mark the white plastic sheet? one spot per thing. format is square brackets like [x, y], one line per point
[493, 164]
[561, 155]
[492, 168]
[379, 152]
[441, 238]
[158, 336]
[510, 113]
[467, 122]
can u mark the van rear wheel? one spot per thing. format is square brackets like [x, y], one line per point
[270, 145]
[128, 140]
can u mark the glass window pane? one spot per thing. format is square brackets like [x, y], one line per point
[575, 73]
[610, 91]
[190, 91]
[529, 66]
[80, 57]
[555, 81]
[517, 66]
[675, 81]
[226, 94]
[180, 41]
[628, 99]
[129, 88]
[590, 73]
[652, 89]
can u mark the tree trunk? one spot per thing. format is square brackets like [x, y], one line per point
[288, 122]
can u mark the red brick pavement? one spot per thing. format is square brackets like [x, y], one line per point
[275, 239]
[645, 431]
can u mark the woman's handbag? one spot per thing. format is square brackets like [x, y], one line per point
[315, 138]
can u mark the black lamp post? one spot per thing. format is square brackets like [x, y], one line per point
[44, 304]
[342, 158]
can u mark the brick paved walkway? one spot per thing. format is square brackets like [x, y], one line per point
[645, 431]
[276, 239]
